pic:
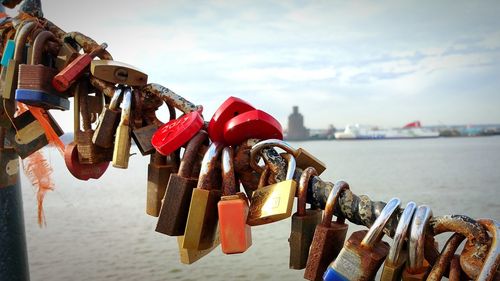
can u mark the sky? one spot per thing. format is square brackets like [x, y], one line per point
[382, 63]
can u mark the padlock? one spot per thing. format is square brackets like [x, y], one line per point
[230, 108]
[255, 124]
[9, 83]
[67, 53]
[79, 170]
[95, 103]
[304, 222]
[398, 254]
[303, 158]
[118, 73]
[8, 52]
[27, 134]
[273, 202]
[66, 77]
[175, 207]
[88, 152]
[172, 135]
[328, 237]
[108, 122]
[121, 151]
[9, 160]
[439, 268]
[159, 169]
[34, 82]
[364, 252]
[202, 220]
[235, 233]
[189, 256]
[417, 267]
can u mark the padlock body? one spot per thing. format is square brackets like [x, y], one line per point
[9, 84]
[8, 52]
[118, 73]
[9, 159]
[79, 170]
[235, 233]
[88, 153]
[394, 271]
[356, 262]
[202, 219]
[230, 108]
[65, 56]
[142, 138]
[419, 275]
[189, 256]
[175, 207]
[252, 124]
[305, 159]
[121, 151]
[332, 275]
[105, 131]
[272, 203]
[325, 247]
[42, 100]
[37, 77]
[63, 80]
[158, 176]
[301, 236]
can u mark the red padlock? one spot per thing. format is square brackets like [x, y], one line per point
[79, 170]
[172, 135]
[232, 107]
[255, 124]
[63, 80]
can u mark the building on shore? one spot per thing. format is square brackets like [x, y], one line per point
[296, 129]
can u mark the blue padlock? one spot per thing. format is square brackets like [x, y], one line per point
[35, 80]
[332, 275]
[40, 99]
[8, 52]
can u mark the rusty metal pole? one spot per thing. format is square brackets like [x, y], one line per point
[13, 251]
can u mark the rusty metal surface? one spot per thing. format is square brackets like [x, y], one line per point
[209, 166]
[489, 271]
[302, 190]
[106, 88]
[170, 97]
[444, 259]
[190, 154]
[228, 178]
[88, 44]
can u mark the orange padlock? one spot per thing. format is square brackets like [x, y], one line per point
[235, 233]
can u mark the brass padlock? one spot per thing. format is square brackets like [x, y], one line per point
[9, 84]
[121, 151]
[118, 73]
[88, 153]
[66, 55]
[189, 256]
[364, 252]
[328, 237]
[159, 169]
[418, 268]
[233, 208]
[27, 134]
[304, 222]
[202, 220]
[303, 158]
[108, 122]
[398, 254]
[439, 268]
[175, 207]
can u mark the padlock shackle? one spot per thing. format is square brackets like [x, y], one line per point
[445, 257]
[417, 238]
[208, 166]
[401, 233]
[257, 148]
[264, 177]
[302, 192]
[171, 98]
[126, 106]
[376, 231]
[331, 202]
[492, 260]
[38, 45]
[113, 103]
[290, 168]
[189, 157]
[228, 177]
[21, 38]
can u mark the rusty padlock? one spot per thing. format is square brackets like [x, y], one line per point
[202, 220]
[233, 208]
[364, 252]
[159, 170]
[398, 254]
[175, 207]
[304, 223]
[490, 270]
[108, 121]
[121, 149]
[328, 237]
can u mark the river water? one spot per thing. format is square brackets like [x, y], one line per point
[98, 230]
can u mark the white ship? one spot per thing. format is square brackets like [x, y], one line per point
[411, 130]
